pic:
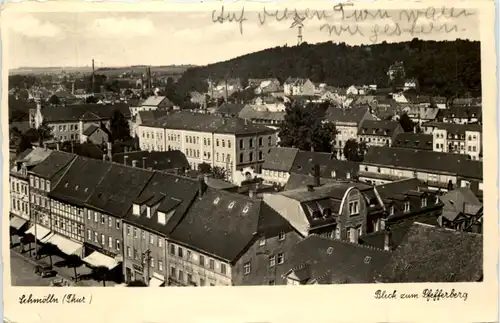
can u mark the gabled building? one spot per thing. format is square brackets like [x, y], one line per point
[227, 239]
[299, 86]
[465, 139]
[432, 254]
[152, 103]
[419, 141]
[378, 132]
[335, 210]
[317, 260]
[173, 161]
[97, 134]
[461, 209]
[278, 164]
[260, 114]
[460, 114]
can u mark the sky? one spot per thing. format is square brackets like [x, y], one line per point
[47, 39]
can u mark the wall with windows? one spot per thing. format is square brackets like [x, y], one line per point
[251, 150]
[225, 152]
[68, 220]
[192, 144]
[64, 131]
[188, 267]
[266, 261]
[103, 233]
[473, 144]
[19, 197]
[352, 221]
[39, 202]
[273, 176]
[151, 138]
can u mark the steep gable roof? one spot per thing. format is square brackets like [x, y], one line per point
[75, 112]
[53, 164]
[280, 159]
[352, 115]
[156, 160]
[379, 127]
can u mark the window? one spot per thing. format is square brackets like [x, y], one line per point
[135, 232]
[172, 272]
[103, 239]
[281, 258]
[260, 142]
[189, 278]
[217, 142]
[354, 207]
[89, 234]
[242, 145]
[250, 157]
[262, 241]
[180, 252]
[229, 144]
[160, 242]
[110, 242]
[128, 230]
[202, 282]
[172, 249]
[272, 261]
[407, 206]
[181, 276]
[143, 235]
[247, 268]
[261, 155]
[110, 220]
[223, 269]
[96, 217]
[223, 143]
[96, 237]
[117, 244]
[360, 231]
[211, 264]
[202, 261]
[250, 141]
[117, 224]
[424, 202]
[160, 265]
[129, 252]
[152, 262]
[241, 158]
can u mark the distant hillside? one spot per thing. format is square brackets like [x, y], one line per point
[108, 71]
[443, 68]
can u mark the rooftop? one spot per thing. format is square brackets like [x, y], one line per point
[280, 159]
[155, 160]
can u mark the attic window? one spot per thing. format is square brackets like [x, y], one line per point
[216, 201]
[327, 212]
[230, 206]
[86, 189]
[66, 185]
[368, 259]
[246, 208]
[76, 188]
[407, 266]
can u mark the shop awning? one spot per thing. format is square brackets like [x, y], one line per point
[97, 259]
[64, 244]
[41, 232]
[17, 222]
[156, 280]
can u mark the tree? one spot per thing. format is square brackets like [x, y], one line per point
[120, 129]
[219, 172]
[44, 132]
[303, 130]
[27, 240]
[137, 283]
[91, 99]
[354, 151]
[54, 99]
[101, 273]
[24, 144]
[49, 249]
[406, 123]
[73, 261]
[204, 168]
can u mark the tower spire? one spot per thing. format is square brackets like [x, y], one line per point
[299, 36]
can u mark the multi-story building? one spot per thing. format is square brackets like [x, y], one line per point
[68, 198]
[460, 114]
[19, 185]
[145, 116]
[152, 103]
[42, 179]
[347, 122]
[410, 140]
[230, 143]
[440, 171]
[465, 139]
[105, 209]
[229, 239]
[299, 86]
[334, 210]
[378, 132]
[68, 123]
[277, 165]
[155, 212]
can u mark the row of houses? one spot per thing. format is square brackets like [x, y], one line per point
[167, 229]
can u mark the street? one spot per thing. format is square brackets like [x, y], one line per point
[22, 272]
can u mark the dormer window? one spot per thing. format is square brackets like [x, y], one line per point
[47, 186]
[436, 200]
[245, 209]
[148, 212]
[327, 213]
[391, 210]
[334, 174]
[136, 209]
[424, 202]
[407, 206]
[230, 206]
[216, 201]
[162, 218]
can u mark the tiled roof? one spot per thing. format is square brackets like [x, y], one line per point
[280, 159]
[432, 254]
[352, 115]
[80, 180]
[456, 201]
[223, 224]
[117, 190]
[416, 159]
[53, 164]
[471, 169]
[90, 130]
[329, 166]
[171, 192]
[301, 180]
[332, 190]
[208, 123]
[147, 116]
[413, 140]
[252, 112]
[156, 160]
[230, 109]
[461, 112]
[398, 187]
[322, 260]
[154, 101]
[295, 81]
[75, 112]
[35, 156]
[378, 127]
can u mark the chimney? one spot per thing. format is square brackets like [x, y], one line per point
[125, 160]
[144, 162]
[387, 239]
[109, 149]
[310, 188]
[134, 163]
[317, 181]
[202, 186]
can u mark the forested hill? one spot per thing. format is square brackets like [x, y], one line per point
[444, 68]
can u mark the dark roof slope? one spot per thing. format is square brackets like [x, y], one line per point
[156, 160]
[223, 224]
[75, 112]
[352, 115]
[300, 180]
[280, 159]
[399, 187]
[117, 190]
[433, 254]
[231, 109]
[379, 127]
[419, 160]
[151, 115]
[328, 165]
[53, 164]
[170, 192]
[413, 140]
[336, 262]
[80, 180]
